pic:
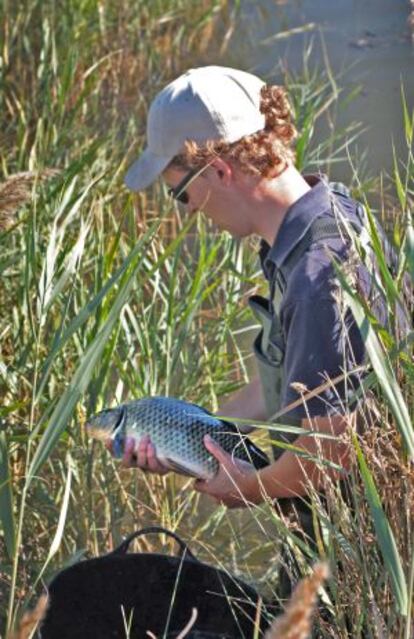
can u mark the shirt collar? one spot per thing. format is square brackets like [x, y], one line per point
[297, 220]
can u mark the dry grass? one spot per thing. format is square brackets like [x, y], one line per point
[296, 622]
[30, 620]
[16, 191]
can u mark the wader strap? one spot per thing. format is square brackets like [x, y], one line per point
[340, 189]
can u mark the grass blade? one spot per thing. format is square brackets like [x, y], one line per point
[89, 309]
[385, 536]
[54, 547]
[382, 367]
[409, 246]
[65, 406]
[6, 498]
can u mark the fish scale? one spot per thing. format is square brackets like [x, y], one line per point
[177, 429]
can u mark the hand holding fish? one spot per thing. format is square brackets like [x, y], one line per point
[159, 434]
[142, 455]
[235, 481]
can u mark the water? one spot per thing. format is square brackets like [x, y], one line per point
[368, 43]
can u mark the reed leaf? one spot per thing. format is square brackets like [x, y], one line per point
[408, 118]
[385, 536]
[386, 377]
[381, 366]
[57, 539]
[6, 498]
[61, 338]
[80, 381]
[70, 264]
[92, 355]
[409, 246]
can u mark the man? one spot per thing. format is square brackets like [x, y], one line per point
[222, 141]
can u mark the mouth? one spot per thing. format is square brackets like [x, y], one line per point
[96, 432]
[102, 433]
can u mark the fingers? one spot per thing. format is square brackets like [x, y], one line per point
[231, 500]
[154, 464]
[128, 458]
[141, 452]
[201, 485]
[216, 450]
[142, 455]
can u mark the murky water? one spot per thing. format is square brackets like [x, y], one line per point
[368, 43]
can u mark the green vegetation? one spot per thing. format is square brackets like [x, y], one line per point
[107, 297]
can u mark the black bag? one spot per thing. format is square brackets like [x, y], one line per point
[123, 595]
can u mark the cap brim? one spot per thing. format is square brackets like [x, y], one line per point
[145, 170]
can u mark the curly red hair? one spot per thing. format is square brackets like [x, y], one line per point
[264, 153]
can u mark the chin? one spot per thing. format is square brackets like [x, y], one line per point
[237, 234]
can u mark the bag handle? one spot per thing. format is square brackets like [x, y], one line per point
[122, 549]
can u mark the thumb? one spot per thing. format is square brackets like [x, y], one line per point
[201, 485]
[216, 450]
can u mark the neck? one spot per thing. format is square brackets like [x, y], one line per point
[273, 198]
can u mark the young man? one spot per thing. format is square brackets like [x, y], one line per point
[222, 141]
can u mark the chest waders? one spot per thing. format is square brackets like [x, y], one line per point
[269, 348]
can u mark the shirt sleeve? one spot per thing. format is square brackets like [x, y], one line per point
[320, 345]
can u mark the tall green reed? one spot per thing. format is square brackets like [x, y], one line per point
[390, 354]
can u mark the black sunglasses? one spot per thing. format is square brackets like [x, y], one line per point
[178, 192]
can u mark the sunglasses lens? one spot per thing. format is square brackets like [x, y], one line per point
[178, 192]
[183, 197]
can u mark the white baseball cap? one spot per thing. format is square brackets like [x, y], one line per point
[208, 103]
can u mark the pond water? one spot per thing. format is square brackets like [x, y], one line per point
[368, 43]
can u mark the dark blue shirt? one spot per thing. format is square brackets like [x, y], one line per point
[322, 339]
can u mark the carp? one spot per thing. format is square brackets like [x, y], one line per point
[177, 429]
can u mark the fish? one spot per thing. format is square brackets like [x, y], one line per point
[177, 429]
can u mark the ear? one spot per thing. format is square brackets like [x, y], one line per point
[223, 171]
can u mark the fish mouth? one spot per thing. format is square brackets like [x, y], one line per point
[96, 432]
[102, 433]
